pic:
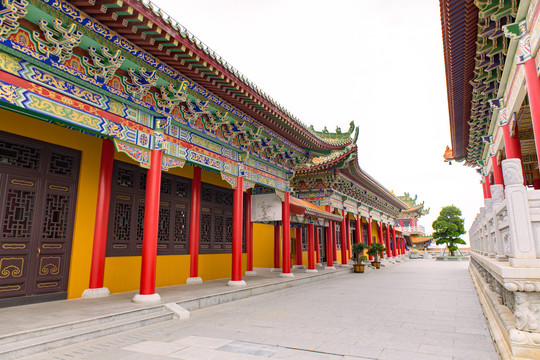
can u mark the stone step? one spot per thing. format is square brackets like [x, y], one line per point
[26, 343]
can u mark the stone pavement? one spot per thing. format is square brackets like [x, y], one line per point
[421, 310]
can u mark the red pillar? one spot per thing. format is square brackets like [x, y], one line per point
[286, 221]
[344, 238]
[369, 235]
[348, 238]
[533, 91]
[388, 250]
[276, 247]
[317, 245]
[311, 250]
[298, 247]
[249, 236]
[512, 146]
[238, 197]
[394, 249]
[329, 246]
[487, 185]
[359, 234]
[497, 171]
[380, 232]
[334, 239]
[194, 224]
[151, 225]
[97, 267]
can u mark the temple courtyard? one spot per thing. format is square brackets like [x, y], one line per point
[417, 309]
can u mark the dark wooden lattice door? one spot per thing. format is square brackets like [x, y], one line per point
[38, 185]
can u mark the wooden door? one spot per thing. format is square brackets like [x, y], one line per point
[38, 186]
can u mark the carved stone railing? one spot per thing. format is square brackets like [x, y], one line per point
[505, 263]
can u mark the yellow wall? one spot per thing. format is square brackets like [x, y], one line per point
[375, 231]
[263, 245]
[90, 147]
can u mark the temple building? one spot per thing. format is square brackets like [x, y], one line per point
[414, 234]
[133, 157]
[492, 62]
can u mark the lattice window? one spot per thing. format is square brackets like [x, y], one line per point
[19, 213]
[19, 155]
[206, 194]
[224, 198]
[164, 228]
[206, 228]
[365, 233]
[338, 236]
[61, 164]
[125, 177]
[219, 226]
[182, 189]
[173, 217]
[166, 186]
[228, 229]
[55, 223]
[122, 221]
[304, 239]
[180, 229]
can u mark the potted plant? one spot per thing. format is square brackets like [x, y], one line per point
[376, 249]
[358, 251]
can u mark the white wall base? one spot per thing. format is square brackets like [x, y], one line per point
[236, 283]
[250, 273]
[275, 270]
[96, 293]
[147, 299]
[298, 267]
[194, 280]
[311, 271]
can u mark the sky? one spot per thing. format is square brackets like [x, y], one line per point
[377, 63]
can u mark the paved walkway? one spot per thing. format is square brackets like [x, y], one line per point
[421, 310]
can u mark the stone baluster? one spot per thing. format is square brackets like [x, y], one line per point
[483, 241]
[490, 228]
[497, 195]
[517, 204]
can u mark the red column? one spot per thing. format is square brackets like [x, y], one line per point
[394, 244]
[276, 247]
[380, 233]
[497, 171]
[334, 239]
[401, 222]
[194, 226]
[533, 91]
[512, 146]
[286, 221]
[329, 246]
[359, 234]
[97, 267]
[369, 235]
[388, 250]
[298, 247]
[151, 224]
[344, 238]
[249, 236]
[311, 250]
[348, 238]
[487, 184]
[317, 245]
[238, 197]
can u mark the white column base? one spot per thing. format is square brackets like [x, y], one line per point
[286, 274]
[275, 270]
[96, 293]
[336, 263]
[319, 264]
[329, 268]
[250, 273]
[194, 280]
[523, 263]
[147, 299]
[298, 267]
[311, 271]
[236, 283]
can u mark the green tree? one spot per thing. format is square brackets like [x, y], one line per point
[448, 227]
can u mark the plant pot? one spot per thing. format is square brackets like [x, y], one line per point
[357, 268]
[377, 264]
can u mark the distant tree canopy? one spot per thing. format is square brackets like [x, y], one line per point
[448, 227]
